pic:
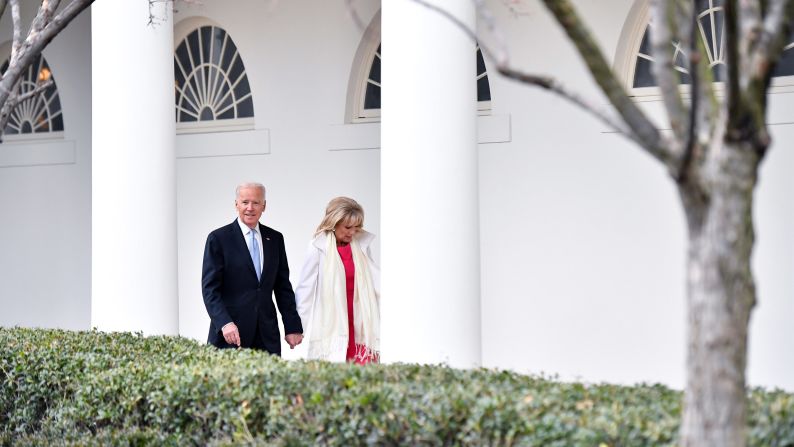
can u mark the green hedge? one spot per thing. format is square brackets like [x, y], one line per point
[93, 388]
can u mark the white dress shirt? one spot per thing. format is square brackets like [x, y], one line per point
[244, 228]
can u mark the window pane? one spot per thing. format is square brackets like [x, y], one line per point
[237, 70]
[200, 82]
[217, 45]
[206, 114]
[193, 89]
[719, 72]
[57, 123]
[228, 54]
[372, 97]
[178, 77]
[480, 63]
[246, 108]
[242, 88]
[182, 56]
[55, 105]
[187, 106]
[226, 99]
[42, 124]
[207, 78]
[719, 23]
[186, 118]
[206, 42]
[645, 45]
[483, 89]
[227, 115]
[374, 72]
[642, 73]
[193, 45]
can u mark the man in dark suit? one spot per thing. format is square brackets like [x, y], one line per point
[245, 264]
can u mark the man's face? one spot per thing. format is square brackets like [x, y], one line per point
[250, 206]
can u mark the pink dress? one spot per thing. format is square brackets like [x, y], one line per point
[346, 254]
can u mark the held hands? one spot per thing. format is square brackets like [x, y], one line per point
[231, 334]
[293, 340]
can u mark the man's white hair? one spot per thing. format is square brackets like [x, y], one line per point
[246, 185]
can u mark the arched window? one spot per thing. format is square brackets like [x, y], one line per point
[370, 106]
[372, 95]
[37, 115]
[211, 84]
[710, 23]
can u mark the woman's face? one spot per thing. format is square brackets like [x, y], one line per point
[345, 230]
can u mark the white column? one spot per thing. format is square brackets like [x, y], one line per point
[429, 186]
[133, 190]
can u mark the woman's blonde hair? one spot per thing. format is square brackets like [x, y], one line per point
[341, 209]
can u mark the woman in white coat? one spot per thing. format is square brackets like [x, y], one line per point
[338, 295]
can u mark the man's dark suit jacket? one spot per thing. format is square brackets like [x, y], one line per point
[233, 294]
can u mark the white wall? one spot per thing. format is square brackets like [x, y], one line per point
[582, 237]
[45, 198]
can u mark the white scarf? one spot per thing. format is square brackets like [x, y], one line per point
[329, 332]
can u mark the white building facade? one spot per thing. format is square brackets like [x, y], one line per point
[515, 231]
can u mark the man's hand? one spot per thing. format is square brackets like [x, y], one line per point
[293, 340]
[231, 334]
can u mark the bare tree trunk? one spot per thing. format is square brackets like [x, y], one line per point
[721, 294]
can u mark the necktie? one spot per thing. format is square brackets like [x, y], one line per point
[255, 254]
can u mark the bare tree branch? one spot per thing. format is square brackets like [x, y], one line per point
[634, 118]
[35, 92]
[554, 86]
[695, 65]
[733, 92]
[662, 30]
[746, 91]
[6, 109]
[16, 43]
[43, 17]
[772, 39]
[750, 31]
[650, 138]
[545, 82]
